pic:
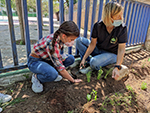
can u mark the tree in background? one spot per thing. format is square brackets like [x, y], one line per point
[20, 17]
[67, 3]
[31, 4]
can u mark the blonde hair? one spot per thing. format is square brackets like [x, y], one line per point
[111, 9]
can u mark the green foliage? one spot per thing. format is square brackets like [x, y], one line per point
[88, 75]
[21, 42]
[11, 90]
[27, 76]
[15, 101]
[117, 100]
[93, 95]
[129, 88]
[74, 2]
[149, 59]
[100, 72]
[108, 72]
[3, 4]
[143, 86]
[70, 111]
[88, 96]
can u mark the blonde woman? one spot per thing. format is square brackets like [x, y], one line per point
[107, 45]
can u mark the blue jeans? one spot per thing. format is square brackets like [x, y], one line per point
[99, 58]
[45, 69]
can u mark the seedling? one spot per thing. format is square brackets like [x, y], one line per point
[116, 101]
[129, 88]
[108, 72]
[11, 90]
[17, 100]
[70, 111]
[133, 70]
[144, 86]
[27, 76]
[100, 72]
[92, 94]
[21, 43]
[88, 96]
[88, 75]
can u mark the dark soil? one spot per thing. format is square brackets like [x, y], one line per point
[124, 96]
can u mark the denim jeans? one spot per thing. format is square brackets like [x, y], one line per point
[99, 58]
[45, 69]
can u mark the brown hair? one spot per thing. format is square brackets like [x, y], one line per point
[111, 9]
[69, 28]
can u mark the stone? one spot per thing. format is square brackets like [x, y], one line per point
[123, 72]
[8, 80]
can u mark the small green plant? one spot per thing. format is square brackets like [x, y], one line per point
[15, 101]
[88, 96]
[116, 101]
[129, 88]
[27, 76]
[149, 59]
[143, 86]
[100, 72]
[11, 90]
[21, 42]
[88, 75]
[92, 94]
[70, 111]
[112, 110]
[108, 72]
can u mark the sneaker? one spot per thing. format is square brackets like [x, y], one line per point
[37, 87]
[85, 70]
[58, 78]
[4, 98]
[1, 109]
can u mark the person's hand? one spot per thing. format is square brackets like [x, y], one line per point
[82, 64]
[115, 73]
[77, 80]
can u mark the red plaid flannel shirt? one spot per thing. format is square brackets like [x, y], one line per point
[43, 47]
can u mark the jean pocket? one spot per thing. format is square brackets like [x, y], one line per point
[31, 60]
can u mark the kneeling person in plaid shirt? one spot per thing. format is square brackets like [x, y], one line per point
[45, 60]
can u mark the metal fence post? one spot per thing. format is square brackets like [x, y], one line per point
[12, 33]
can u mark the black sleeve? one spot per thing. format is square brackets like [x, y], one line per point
[94, 31]
[123, 36]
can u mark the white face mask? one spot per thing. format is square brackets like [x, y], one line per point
[69, 44]
[117, 23]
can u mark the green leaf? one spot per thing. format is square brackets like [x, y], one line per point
[108, 72]
[149, 59]
[88, 75]
[88, 97]
[143, 86]
[100, 72]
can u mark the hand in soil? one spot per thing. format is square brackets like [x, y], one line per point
[82, 64]
[77, 80]
[115, 73]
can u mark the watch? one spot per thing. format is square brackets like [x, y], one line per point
[118, 66]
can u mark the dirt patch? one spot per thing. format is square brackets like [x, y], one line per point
[125, 96]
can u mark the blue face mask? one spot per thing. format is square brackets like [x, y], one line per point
[117, 23]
